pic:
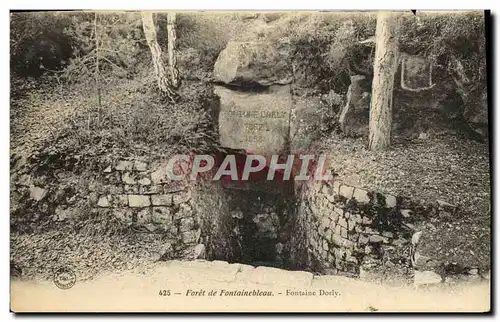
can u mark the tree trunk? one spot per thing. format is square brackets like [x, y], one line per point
[164, 84]
[385, 66]
[96, 72]
[172, 62]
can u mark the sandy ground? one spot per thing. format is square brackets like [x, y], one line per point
[190, 289]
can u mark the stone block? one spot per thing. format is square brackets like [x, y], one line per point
[378, 239]
[336, 187]
[254, 121]
[138, 201]
[181, 197]
[388, 234]
[334, 216]
[338, 252]
[186, 224]
[406, 213]
[351, 224]
[328, 193]
[129, 178]
[361, 195]
[144, 216]
[104, 201]
[390, 201]
[325, 245]
[370, 230]
[342, 222]
[426, 277]
[346, 191]
[124, 166]
[175, 186]
[162, 215]
[150, 189]
[37, 193]
[113, 178]
[356, 218]
[342, 242]
[159, 175]
[144, 181]
[338, 230]
[338, 210]
[366, 221]
[328, 234]
[119, 201]
[130, 189]
[140, 165]
[359, 228]
[185, 210]
[161, 200]
[343, 232]
[115, 189]
[124, 214]
[196, 252]
[363, 239]
[191, 237]
[325, 224]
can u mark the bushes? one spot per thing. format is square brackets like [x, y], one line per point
[64, 45]
[442, 36]
[122, 46]
[135, 125]
[38, 39]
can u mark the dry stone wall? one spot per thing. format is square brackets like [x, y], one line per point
[139, 193]
[350, 230]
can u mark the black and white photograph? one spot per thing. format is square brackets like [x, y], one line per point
[318, 161]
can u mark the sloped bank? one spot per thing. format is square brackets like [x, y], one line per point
[349, 230]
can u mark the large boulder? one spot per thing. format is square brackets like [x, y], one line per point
[476, 114]
[254, 62]
[309, 118]
[255, 122]
[353, 118]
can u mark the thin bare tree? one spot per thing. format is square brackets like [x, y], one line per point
[164, 82]
[98, 87]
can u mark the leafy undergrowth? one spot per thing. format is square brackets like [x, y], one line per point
[460, 243]
[61, 143]
[39, 255]
[441, 167]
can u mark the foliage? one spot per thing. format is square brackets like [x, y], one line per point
[326, 48]
[443, 36]
[121, 46]
[38, 39]
[64, 45]
[208, 33]
[129, 126]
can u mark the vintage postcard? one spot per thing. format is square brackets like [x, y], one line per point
[250, 161]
